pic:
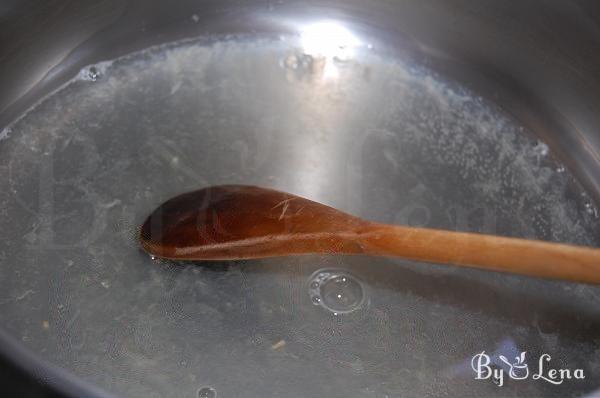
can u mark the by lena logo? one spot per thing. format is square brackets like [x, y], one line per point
[519, 369]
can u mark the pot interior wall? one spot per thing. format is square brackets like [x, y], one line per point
[384, 128]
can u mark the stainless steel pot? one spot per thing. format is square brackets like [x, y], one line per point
[126, 325]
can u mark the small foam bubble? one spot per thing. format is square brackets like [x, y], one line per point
[591, 209]
[94, 72]
[540, 149]
[207, 392]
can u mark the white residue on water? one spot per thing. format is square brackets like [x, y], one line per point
[5, 133]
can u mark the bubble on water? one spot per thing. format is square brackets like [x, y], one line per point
[298, 62]
[306, 61]
[540, 149]
[301, 67]
[291, 62]
[342, 294]
[591, 209]
[94, 72]
[336, 290]
[207, 392]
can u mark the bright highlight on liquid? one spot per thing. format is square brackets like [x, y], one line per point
[331, 41]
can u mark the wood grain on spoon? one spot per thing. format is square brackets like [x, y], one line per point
[234, 222]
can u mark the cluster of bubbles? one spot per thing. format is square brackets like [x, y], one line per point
[589, 206]
[336, 291]
[207, 392]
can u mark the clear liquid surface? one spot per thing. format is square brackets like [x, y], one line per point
[376, 137]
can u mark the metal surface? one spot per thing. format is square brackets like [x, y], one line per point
[382, 128]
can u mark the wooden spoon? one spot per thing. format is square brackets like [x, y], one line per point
[234, 222]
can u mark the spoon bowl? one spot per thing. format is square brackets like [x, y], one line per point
[242, 222]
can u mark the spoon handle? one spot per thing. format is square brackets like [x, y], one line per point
[519, 256]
